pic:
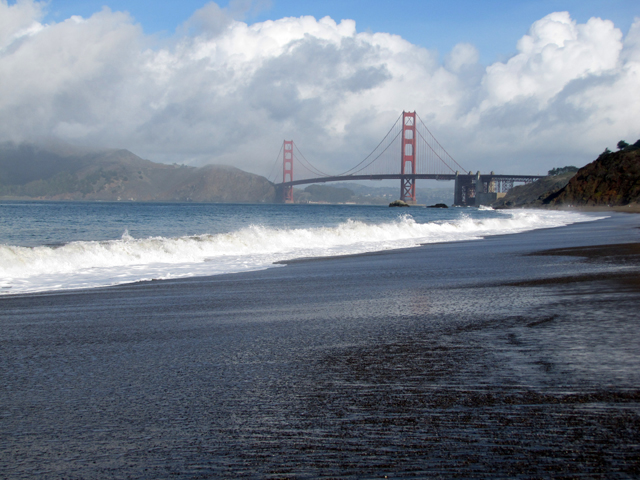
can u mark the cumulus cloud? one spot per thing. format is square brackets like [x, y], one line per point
[462, 56]
[224, 91]
[555, 52]
[564, 91]
[20, 20]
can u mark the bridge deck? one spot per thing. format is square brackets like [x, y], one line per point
[416, 176]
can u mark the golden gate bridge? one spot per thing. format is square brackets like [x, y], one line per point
[408, 152]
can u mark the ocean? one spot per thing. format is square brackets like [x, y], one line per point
[64, 246]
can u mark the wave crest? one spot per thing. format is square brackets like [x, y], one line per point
[100, 263]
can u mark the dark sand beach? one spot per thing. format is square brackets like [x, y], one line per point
[510, 357]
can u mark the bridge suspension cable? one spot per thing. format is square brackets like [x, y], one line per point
[434, 152]
[353, 170]
[400, 156]
[274, 172]
[392, 142]
[408, 148]
[309, 165]
[437, 143]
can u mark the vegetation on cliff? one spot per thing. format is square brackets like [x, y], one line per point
[562, 170]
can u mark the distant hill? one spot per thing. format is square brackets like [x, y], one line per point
[368, 194]
[64, 173]
[613, 179]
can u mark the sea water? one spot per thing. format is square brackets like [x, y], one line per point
[46, 246]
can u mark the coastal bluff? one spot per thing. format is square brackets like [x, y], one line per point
[61, 172]
[612, 180]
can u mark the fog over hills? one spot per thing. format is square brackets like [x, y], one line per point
[63, 172]
[59, 171]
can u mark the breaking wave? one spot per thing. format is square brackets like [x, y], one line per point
[86, 264]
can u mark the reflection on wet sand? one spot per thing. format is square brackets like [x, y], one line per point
[398, 365]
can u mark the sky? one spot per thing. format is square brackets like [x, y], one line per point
[513, 87]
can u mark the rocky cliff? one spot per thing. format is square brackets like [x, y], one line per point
[612, 180]
[29, 171]
[533, 194]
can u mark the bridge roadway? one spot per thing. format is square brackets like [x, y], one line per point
[463, 181]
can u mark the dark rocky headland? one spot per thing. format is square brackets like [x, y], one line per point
[612, 180]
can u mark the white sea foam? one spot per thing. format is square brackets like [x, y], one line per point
[92, 264]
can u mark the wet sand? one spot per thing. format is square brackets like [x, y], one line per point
[618, 255]
[514, 356]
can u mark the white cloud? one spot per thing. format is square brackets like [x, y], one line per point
[566, 95]
[631, 50]
[555, 52]
[462, 56]
[225, 91]
[19, 20]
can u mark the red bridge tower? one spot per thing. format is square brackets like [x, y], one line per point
[408, 157]
[287, 170]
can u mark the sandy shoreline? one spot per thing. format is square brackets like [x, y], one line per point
[615, 255]
[510, 356]
[630, 208]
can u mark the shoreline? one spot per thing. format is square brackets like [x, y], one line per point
[465, 359]
[629, 208]
[471, 242]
